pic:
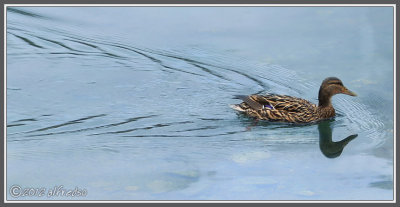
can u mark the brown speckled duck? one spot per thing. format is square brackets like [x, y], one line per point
[282, 108]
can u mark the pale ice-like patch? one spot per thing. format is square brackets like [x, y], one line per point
[246, 157]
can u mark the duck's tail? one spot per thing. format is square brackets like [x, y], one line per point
[236, 107]
[240, 97]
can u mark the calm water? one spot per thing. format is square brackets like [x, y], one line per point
[133, 103]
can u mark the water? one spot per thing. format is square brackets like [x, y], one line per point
[132, 103]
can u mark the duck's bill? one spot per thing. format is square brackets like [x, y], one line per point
[348, 92]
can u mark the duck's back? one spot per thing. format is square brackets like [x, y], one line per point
[279, 108]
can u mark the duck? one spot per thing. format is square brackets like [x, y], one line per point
[289, 109]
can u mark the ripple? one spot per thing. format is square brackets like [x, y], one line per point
[218, 74]
[76, 121]
[360, 117]
[28, 40]
[146, 128]
[94, 128]
[25, 13]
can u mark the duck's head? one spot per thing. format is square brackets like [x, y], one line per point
[329, 87]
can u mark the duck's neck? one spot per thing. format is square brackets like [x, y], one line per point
[324, 102]
[325, 108]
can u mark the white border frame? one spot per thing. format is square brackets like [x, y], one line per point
[199, 5]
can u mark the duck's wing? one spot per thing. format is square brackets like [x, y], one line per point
[281, 103]
[249, 100]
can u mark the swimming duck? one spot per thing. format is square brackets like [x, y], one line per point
[282, 108]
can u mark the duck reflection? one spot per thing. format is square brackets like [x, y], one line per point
[328, 147]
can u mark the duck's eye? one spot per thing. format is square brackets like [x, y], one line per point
[337, 83]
